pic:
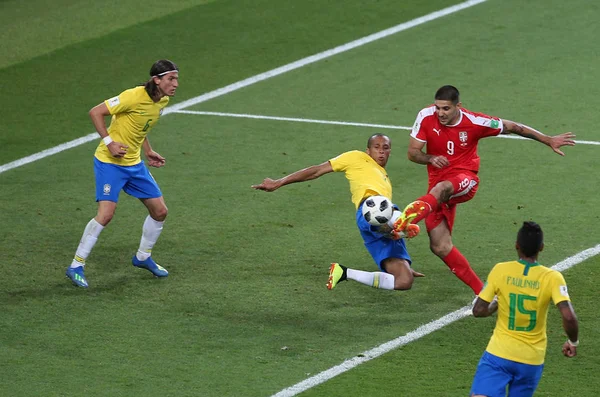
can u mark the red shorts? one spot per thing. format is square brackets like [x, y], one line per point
[465, 186]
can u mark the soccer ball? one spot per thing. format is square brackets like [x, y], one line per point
[377, 210]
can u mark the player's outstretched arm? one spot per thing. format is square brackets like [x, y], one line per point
[571, 327]
[305, 174]
[555, 142]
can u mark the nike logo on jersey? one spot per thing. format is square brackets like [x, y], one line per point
[437, 131]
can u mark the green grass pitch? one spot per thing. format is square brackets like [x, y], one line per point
[245, 311]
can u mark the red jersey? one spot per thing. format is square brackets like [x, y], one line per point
[458, 142]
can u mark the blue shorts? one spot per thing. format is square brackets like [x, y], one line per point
[380, 247]
[494, 374]
[134, 180]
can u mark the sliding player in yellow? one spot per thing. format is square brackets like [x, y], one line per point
[118, 165]
[367, 176]
[521, 292]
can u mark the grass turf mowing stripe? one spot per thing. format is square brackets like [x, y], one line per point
[261, 77]
[412, 336]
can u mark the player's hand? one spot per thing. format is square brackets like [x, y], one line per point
[268, 185]
[155, 159]
[117, 149]
[565, 139]
[569, 350]
[417, 274]
[439, 161]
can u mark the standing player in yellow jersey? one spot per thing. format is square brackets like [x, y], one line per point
[367, 176]
[515, 354]
[118, 165]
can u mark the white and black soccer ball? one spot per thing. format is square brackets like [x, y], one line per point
[377, 210]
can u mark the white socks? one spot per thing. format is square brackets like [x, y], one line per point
[374, 279]
[150, 233]
[88, 240]
[395, 215]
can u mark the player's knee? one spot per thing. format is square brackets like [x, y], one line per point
[443, 190]
[440, 249]
[403, 285]
[104, 218]
[403, 282]
[400, 269]
[160, 214]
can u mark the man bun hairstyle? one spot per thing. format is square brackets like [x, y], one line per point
[448, 93]
[530, 239]
[158, 69]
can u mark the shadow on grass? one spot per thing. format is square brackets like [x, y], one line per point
[118, 284]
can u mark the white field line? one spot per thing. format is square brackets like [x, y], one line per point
[260, 77]
[49, 152]
[326, 54]
[412, 336]
[348, 123]
[293, 119]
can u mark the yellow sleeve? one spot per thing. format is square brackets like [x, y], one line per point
[558, 284]
[121, 103]
[489, 289]
[341, 162]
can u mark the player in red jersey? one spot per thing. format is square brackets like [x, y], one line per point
[451, 134]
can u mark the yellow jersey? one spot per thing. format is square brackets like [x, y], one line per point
[366, 177]
[524, 292]
[134, 114]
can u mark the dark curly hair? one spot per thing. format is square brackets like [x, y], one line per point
[530, 239]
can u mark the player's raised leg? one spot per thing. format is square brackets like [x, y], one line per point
[381, 213]
[408, 230]
[408, 216]
[424, 205]
[415, 212]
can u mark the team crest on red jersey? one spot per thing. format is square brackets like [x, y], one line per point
[463, 138]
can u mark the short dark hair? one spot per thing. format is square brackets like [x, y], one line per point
[448, 93]
[530, 238]
[160, 66]
[370, 141]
